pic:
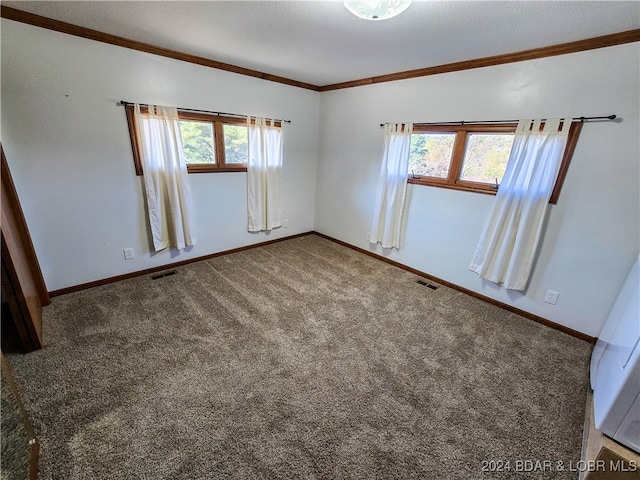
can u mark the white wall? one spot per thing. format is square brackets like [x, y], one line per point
[592, 237]
[68, 148]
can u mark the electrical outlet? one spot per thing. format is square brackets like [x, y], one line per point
[551, 297]
[128, 254]
[286, 224]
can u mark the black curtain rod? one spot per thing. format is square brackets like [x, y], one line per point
[576, 119]
[124, 103]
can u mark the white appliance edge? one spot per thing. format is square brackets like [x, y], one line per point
[615, 367]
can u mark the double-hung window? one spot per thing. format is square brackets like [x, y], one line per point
[211, 142]
[470, 157]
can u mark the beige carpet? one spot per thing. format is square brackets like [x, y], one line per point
[15, 455]
[301, 359]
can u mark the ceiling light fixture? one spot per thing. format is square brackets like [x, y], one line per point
[376, 9]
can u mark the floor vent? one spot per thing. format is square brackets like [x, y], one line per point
[164, 274]
[428, 285]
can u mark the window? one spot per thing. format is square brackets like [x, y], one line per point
[211, 142]
[470, 157]
[197, 142]
[431, 154]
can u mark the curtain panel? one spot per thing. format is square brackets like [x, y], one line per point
[166, 182]
[507, 247]
[388, 211]
[264, 175]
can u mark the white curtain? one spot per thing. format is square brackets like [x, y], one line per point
[506, 249]
[264, 175]
[388, 210]
[165, 177]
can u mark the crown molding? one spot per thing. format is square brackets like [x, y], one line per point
[629, 36]
[70, 29]
[620, 38]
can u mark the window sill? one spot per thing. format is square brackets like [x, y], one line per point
[464, 187]
[452, 186]
[214, 169]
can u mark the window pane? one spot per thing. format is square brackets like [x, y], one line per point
[486, 157]
[197, 142]
[431, 154]
[235, 143]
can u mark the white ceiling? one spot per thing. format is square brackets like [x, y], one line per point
[321, 43]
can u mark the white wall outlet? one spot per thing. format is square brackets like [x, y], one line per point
[285, 224]
[128, 254]
[551, 297]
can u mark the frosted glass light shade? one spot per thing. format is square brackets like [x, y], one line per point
[376, 9]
